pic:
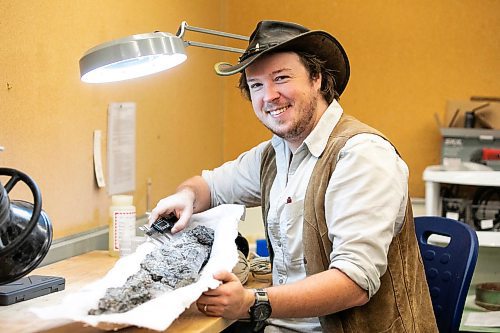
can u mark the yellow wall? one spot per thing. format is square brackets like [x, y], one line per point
[407, 57]
[48, 115]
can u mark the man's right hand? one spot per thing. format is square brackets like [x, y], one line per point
[180, 203]
[192, 196]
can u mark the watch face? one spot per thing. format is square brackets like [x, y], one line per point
[261, 312]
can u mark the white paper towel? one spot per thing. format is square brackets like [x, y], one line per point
[158, 313]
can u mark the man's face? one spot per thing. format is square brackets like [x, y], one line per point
[284, 98]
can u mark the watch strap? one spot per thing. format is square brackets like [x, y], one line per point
[260, 295]
[261, 300]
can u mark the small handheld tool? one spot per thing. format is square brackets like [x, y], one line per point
[160, 229]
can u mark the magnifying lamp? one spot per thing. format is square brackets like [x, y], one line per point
[140, 55]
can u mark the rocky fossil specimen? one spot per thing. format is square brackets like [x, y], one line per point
[175, 264]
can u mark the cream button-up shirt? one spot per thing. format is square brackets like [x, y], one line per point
[365, 204]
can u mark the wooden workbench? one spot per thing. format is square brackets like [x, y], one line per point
[78, 272]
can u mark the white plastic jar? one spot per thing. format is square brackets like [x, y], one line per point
[121, 225]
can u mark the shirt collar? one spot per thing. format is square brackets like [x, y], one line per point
[316, 140]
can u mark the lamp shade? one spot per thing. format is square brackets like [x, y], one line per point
[131, 57]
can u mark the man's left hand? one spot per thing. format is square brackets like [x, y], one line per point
[230, 300]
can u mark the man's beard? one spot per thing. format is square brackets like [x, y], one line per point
[301, 125]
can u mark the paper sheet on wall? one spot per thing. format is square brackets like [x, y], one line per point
[99, 175]
[121, 148]
[160, 312]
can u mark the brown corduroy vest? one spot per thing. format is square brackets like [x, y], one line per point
[402, 304]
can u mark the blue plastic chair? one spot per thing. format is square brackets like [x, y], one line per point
[448, 267]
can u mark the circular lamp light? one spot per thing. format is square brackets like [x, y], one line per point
[132, 57]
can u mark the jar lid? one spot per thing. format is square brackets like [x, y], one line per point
[122, 200]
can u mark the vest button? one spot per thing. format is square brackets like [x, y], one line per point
[305, 261]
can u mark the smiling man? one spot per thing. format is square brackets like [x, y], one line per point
[334, 198]
[284, 96]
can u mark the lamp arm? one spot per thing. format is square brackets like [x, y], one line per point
[185, 27]
[214, 47]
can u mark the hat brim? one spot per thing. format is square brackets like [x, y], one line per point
[317, 42]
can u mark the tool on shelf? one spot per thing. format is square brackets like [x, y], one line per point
[470, 116]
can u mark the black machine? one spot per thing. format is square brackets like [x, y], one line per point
[25, 238]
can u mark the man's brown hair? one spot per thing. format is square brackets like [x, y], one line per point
[314, 66]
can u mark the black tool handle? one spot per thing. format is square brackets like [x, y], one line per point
[15, 177]
[164, 223]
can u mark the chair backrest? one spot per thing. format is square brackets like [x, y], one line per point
[448, 267]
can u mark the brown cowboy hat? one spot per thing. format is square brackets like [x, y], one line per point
[271, 36]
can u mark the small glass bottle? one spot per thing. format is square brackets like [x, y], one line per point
[121, 225]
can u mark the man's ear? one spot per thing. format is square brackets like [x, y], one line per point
[316, 81]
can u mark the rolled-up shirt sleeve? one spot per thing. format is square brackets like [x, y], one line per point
[365, 207]
[237, 181]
